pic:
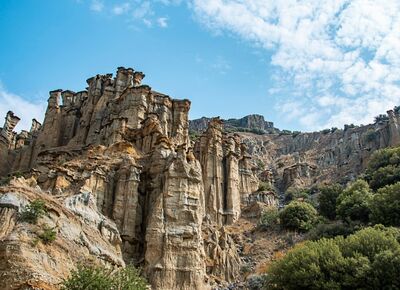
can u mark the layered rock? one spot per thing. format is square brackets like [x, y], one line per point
[254, 122]
[118, 157]
[226, 173]
[305, 159]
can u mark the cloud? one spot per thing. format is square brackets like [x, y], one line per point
[335, 62]
[145, 12]
[121, 8]
[96, 6]
[162, 22]
[24, 109]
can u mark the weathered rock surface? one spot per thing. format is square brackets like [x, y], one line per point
[248, 123]
[123, 183]
[305, 159]
[118, 157]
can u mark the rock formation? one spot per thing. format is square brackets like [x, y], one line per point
[250, 123]
[118, 157]
[305, 159]
[124, 183]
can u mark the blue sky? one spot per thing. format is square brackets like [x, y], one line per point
[302, 64]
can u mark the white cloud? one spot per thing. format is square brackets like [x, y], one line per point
[96, 6]
[21, 107]
[162, 22]
[121, 8]
[337, 61]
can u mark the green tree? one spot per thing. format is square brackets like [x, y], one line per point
[353, 203]
[298, 216]
[327, 200]
[368, 259]
[385, 205]
[269, 217]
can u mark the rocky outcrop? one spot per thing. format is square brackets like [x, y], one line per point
[253, 122]
[118, 158]
[28, 263]
[226, 173]
[306, 159]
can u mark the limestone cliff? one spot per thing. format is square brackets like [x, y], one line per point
[118, 158]
[124, 183]
[306, 159]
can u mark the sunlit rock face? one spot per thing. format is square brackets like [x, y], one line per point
[306, 159]
[117, 159]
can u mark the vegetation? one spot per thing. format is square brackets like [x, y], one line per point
[193, 135]
[285, 132]
[269, 218]
[384, 168]
[48, 235]
[264, 186]
[349, 126]
[370, 135]
[33, 211]
[331, 230]
[385, 206]
[293, 193]
[381, 118]
[98, 278]
[298, 215]
[368, 259]
[327, 200]
[260, 165]
[353, 202]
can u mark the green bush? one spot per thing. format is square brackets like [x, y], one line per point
[385, 206]
[353, 202]
[370, 135]
[33, 211]
[98, 278]
[269, 218]
[260, 165]
[368, 259]
[264, 186]
[327, 200]
[48, 235]
[298, 216]
[330, 230]
[293, 193]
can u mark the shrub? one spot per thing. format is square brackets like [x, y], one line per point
[260, 165]
[368, 259]
[264, 186]
[381, 118]
[330, 230]
[385, 205]
[269, 218]
[327, 200]
[353, 202]
[326, 131]
[298, 216]
[98, 278]
[32, 212]
[382, 158]
[386, 175]
[293, 193]
[370, 135]
[48, 235]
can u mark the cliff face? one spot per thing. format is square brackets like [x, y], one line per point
[306, 159]
[123, 183]
[118, 157]
[251, 122]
